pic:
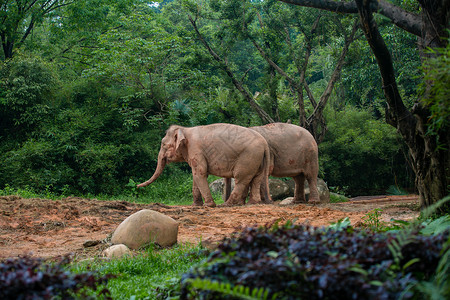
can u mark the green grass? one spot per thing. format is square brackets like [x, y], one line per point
[337, 198]
[174, 188]
[147, 274]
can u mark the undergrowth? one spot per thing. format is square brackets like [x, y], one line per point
[148, 275]
[410, 261]
[33, 278]
[169, 190]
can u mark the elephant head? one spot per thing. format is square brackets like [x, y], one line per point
[173, 149]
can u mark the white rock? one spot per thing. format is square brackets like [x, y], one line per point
[117, 251]
[287, 201]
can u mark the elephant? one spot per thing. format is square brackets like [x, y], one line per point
[293, 153]
[224, 150]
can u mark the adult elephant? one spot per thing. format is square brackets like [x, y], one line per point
[224, 150]
[293, 153]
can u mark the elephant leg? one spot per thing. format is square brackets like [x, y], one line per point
[313, 191]
[255, 190]
[198, 201]
[265, 195]
[200, 176]
[226, 189]
[238, 194]
[299, 192]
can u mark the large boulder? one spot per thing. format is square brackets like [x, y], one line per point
[144, 227]
[217, 185]
[278, 189]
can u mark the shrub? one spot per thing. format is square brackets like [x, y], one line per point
[362, 155]
[31, 278]
[304, 262]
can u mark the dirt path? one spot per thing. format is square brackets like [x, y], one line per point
[48, 228]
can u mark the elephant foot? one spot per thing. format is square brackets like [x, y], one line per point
[198, 202]
[251, 201]
[231, 203]
[210, 204]
[314, 201]
[299, 200]
[268, 201]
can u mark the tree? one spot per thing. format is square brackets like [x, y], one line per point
[265, 117]
[19, 18]
[285, 38]
[315, 122]
[429, 153]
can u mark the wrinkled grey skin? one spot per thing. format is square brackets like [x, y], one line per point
[224, 150]
[293, 153]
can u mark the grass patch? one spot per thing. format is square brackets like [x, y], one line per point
[174, 188]
[336, 198]
[149, 275]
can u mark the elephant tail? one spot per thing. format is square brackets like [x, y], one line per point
[266, 170]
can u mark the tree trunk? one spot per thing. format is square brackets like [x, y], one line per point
[7, 48]
[430, 161]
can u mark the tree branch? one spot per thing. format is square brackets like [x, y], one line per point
[400, 17]
[317, 115]
[262, 114]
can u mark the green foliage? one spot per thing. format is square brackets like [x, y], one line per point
[337, 198]
[86, 98]
[372, 221]
[341, 224]
[361, 153]
[395, 190]
[437, 71]
[299, 262]
[26, 86]
[148, 275]
[436, 226]
[33, 278]
[226, 289]
[360, 79]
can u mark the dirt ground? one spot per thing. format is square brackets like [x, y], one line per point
[49, 228]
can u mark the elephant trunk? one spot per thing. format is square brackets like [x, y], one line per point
[159, 168]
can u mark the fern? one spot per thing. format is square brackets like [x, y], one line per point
[439, 286]
[226, 289]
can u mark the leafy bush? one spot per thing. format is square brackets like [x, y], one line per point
[31, 278]
[304, 262]
[361, 154]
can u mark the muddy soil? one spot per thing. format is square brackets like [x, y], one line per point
[50, 228]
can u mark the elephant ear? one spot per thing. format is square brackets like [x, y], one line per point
[180, 139]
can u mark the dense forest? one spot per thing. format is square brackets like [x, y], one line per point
[88, 88]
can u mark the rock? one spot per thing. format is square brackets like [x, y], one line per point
[324, 193]
[117, 251]
[144, 227]
[278, 189]
[217, 186]
[91, 243]
[291, 184]
[287, 201]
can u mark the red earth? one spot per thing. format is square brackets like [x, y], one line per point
[49, 228]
